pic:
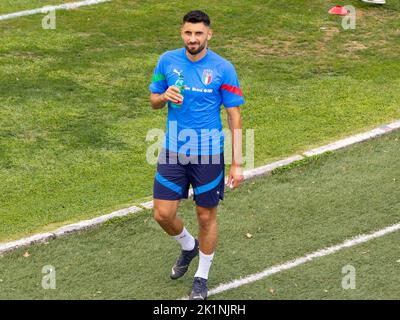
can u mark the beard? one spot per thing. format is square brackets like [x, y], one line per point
[197, 51]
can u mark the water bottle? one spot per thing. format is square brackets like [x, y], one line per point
[179, 83]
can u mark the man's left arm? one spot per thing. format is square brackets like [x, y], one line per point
[235, 176]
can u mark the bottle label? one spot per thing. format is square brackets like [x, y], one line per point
[179, 83]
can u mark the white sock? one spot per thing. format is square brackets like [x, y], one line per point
[205, 261]
[185, 239]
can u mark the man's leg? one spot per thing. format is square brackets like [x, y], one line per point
[208, 236]
[165, 214]
[208, 186]
[208, 229]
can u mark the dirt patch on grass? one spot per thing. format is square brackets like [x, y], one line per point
[371, 18]
[351, 49]
[354, 46]
[23, 54]
[329, 33]
[377, 12]
[291, 46]
[266, 47]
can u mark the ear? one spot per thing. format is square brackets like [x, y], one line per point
[209, 35]
[182, 35]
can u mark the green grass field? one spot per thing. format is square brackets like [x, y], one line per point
[74, 102]
[320, 203]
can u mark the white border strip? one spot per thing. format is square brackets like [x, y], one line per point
[394, 125]
[299, 261]
[8, 246]
[354, 139]
[147, 205]
[267, 169]
[46, 9]
[96, 221]
[42, 237]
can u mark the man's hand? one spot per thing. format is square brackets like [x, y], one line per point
[235, 177]
[172, 94]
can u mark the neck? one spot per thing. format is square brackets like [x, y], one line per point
[198, 56]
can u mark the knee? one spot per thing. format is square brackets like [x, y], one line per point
[206, 219]
[163, 215]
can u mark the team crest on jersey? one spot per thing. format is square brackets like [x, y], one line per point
[207, 76]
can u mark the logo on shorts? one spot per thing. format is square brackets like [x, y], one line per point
[207, 76]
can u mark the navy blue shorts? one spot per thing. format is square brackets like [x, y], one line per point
[206, 174]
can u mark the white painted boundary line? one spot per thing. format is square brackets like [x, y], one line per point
[299, 261]
[147, 205]
[42, 237]
[394, 125]
[8, 246]
[46, 9]
[96, 221]
[270, 167]
[354, 139]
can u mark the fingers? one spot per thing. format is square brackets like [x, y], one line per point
[174, 89]
[229, 182]
[237, 181]
[173, 95]
[234, 181]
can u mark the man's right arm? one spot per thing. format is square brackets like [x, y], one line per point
[158, 100]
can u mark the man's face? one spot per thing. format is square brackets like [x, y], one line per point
[195, 36]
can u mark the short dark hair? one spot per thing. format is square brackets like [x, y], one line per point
[197, 16]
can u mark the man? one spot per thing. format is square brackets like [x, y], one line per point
[195, 81]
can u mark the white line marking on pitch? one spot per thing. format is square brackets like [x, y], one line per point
[46, 9]
[309, 257]
[71, 228]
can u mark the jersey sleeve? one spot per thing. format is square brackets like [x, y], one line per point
[158, 81]
[232, 95]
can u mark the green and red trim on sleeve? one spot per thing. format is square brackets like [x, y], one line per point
[232, 89]
[157, 77]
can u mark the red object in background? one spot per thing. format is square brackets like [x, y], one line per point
[338, 10]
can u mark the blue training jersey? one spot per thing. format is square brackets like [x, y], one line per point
[194, 127]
